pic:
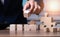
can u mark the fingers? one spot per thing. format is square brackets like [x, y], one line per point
[38, 10]
[35, 8]
[39, 7]
[26, 6]
[31, 5]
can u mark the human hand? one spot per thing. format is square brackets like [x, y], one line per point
[32, 6]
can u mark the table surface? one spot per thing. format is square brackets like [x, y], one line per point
[31, 33]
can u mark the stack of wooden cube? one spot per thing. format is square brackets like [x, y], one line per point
[47, 24]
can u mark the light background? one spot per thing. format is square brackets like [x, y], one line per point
[33, 16]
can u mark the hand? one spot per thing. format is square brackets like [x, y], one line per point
[33, 7]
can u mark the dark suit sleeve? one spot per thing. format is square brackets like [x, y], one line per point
[21, 18]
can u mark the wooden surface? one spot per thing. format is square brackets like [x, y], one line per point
[6, 33]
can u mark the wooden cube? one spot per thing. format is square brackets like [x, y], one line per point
[58, 29]
[12, 29]
[46, 19]
[29, 27]
[53, 29]
[26, 13]
[46, 14]
[46, 29]
[41, 26]
[19, 27]
[52, 24]
[48, 24]
[32, 22]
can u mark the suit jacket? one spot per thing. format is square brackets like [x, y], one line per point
[11, 12]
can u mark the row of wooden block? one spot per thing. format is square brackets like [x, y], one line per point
[49, 29]
[26, 27]
[20, 27]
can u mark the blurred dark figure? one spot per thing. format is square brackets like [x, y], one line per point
[11, 12]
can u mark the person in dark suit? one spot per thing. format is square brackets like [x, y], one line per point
[11, 12]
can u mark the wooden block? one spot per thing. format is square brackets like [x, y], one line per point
[12, 29]
[19, 27]
[41, 26]
[44, 26]
[26, 13]
[48, 24]
[46, 29]
[32, 22]
[29, 27]
[58, 29]
[46, 14]
[52, 24]
[50, 29]
[53, 29]
[46, 19]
